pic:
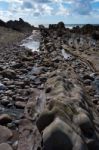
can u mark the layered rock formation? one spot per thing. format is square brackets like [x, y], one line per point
[49, 99]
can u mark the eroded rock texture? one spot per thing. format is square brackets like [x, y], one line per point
[67, 121]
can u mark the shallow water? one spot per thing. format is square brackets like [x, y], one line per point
[66, 55]
[32, 42]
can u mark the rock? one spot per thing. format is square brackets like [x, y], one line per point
[85, 77]
[84, 122]
[5, 134]
[2, 87]
[20, 104]
[61, 25]
[17, 65]
[96, 85]
[59, 135]
[5, 102]
[28, 136]
[87, 82]
[2, 23]
[44, 120]
[5, 146]
[4, 119]
[20, 25]
[48, 90]
[9, 73]
[1, 68]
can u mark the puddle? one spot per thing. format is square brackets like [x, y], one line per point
[32, 42]
[66, 55]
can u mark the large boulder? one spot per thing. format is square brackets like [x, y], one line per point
[61, 25]
[59, 135]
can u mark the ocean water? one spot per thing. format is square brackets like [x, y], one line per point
[70, 26]
[31, 43]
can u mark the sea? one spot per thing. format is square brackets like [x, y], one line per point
[70, 26]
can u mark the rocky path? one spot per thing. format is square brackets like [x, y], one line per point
[48, 101]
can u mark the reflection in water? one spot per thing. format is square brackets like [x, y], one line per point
[32, 42]
[33, 45]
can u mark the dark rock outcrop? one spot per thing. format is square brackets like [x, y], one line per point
[2, 23]
[60, 25]
[20, 25]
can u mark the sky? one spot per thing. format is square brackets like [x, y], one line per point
[51, 11]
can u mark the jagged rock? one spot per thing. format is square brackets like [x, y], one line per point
[60, 25]
[20, 25]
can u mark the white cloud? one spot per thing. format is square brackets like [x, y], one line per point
[63, 11]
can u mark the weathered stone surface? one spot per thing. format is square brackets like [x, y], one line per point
[20, 104]
[5, 146]
[8, 73]
[59, 135]
[5, 134]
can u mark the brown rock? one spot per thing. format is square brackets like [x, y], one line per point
[8, 73]
[5, 118]
[19, 104]
[5, 146]
[5, 134]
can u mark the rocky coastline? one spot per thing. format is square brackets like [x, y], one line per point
[49, 99]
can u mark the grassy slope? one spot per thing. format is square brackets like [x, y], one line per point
[8, 36]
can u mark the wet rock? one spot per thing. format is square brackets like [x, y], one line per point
[5, 134]
[4, 119]
[5, 146]
[2, 87]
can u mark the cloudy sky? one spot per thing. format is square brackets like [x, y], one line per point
[51, 11]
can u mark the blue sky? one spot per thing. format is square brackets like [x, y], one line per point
[51, 11]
